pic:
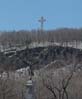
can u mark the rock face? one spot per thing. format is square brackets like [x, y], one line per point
[37, 57]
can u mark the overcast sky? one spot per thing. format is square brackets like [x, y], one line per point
[24, 14]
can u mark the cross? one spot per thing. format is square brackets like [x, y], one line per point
[42, 20]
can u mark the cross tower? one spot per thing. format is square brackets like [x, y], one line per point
[42, 20]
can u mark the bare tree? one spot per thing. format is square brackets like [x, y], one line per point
[56, 82]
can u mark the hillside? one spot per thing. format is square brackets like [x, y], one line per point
[38, 57]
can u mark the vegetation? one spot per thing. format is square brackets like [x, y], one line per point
[18, 38]
[57, 69]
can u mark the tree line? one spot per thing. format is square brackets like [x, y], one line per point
[15, 38]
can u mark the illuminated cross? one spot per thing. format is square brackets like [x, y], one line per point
[42, 20]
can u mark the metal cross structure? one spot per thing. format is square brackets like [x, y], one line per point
[42, 20]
